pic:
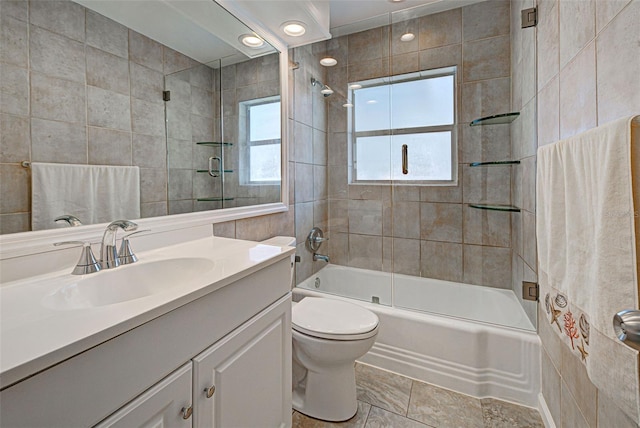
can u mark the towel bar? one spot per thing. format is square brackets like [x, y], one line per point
[25, 164]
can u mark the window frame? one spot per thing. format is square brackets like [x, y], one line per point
[386, 81]
[247, 144]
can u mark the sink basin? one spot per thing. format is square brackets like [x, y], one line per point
[126, 283]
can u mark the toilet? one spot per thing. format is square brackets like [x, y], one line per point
[328, 336]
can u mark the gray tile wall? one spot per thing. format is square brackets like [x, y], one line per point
[586, 75]
[428, 231]
[79, 88]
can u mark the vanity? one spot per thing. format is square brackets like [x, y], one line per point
[203, 342]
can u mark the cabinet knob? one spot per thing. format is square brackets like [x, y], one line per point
[186, 412]
[210, 391]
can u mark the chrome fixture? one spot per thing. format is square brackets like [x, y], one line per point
[321, 257]
[87, 262]
[125, 255]
[70, 219]
[108, 253]
[315, 239]
[325, 90]
[626, 325]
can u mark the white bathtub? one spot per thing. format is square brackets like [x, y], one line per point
[497, 355]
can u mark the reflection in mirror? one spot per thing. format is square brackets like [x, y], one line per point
[229, 157]
[87, 86]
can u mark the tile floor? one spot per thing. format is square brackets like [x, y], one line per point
[387, 399]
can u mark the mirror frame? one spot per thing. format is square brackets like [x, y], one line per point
[34, 242]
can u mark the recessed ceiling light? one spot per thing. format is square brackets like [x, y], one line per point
[355, 86]
[293, 28]
[328, 61]
[395, 1]
[326, 90]
[372, 102]
[251, 41]
[407, 37]
[347, 105]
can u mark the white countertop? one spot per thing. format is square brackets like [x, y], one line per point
[34, 337]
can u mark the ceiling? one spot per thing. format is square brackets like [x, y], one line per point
[351, 16]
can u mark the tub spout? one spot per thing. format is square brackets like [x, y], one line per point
[322, 257]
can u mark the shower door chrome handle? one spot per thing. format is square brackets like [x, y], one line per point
[405, 159]
[215, 172]
[626, 325]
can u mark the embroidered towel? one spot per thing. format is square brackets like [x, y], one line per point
[586, 235]
[93, 193]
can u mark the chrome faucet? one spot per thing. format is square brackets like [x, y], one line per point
[322, 257]
[108, 252]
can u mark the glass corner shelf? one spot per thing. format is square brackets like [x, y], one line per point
[214, 199]
[497, 163]
[213, 143]
[496, 207]
[496, 119]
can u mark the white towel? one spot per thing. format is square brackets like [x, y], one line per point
[586, 233]
[93, 193]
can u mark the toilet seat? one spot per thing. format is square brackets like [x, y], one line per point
[333, 319]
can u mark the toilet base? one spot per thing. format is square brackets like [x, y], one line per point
[328, 395]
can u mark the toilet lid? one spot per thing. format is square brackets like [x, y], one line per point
[332, 319]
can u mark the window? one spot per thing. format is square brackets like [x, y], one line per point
[260, 133]
[415, 110]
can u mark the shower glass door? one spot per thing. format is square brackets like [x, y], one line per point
[195, 155]
[447, 256]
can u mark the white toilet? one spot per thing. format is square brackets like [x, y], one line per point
[328, 336]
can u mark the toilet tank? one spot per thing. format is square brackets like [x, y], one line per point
[284, 241]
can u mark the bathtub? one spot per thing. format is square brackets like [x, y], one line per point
[474, 340]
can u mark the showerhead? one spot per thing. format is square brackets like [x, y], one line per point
[324, 89]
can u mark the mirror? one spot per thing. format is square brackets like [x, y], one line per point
[173, 89]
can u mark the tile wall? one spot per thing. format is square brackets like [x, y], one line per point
[79, 88]
[588, 63]
[428, 231]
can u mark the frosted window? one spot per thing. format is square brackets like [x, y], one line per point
[416, 109]
[380, 158]
[264, 162]
[264, 122]
[416, 103]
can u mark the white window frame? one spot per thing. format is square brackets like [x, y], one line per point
[353, 135]
[245, 149]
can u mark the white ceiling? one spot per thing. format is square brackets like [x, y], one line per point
[351, 16]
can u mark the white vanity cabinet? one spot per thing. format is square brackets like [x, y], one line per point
[167, 404]
[241, 381]
[236, 338]
[238, 382]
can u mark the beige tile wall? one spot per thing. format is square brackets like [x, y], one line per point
[428, 231]
[79, 88]
[588, 63]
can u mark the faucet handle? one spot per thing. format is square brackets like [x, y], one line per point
[125, 255]
[87, 262]
[70, 219]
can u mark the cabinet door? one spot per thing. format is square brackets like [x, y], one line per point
[250, 370]
[160, 406]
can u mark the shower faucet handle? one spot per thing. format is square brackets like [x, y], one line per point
[315, 239]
